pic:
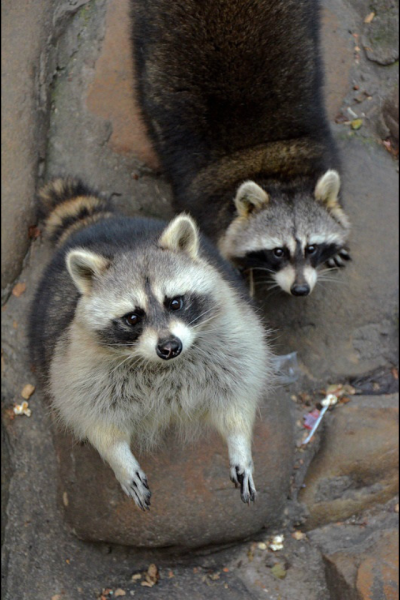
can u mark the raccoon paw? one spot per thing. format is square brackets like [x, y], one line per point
[138, 489]
[339, 260]
[243, 478]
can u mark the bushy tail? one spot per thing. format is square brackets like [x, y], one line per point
[68, 205]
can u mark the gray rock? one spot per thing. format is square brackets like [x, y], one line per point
[357, 465]
[391, 114]
[193, 504]
[381, 36]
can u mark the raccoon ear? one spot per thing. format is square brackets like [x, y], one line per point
[181, 235]
[84, 266]
[327, 192]
[249, 197]
[327, 189]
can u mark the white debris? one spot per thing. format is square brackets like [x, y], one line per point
[277, 543]
[22, 409]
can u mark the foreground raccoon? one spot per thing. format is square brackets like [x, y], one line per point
[138, 324]
[231, 93]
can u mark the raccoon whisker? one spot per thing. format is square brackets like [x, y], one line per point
[202, 315]
[205, 322]
[260, 269]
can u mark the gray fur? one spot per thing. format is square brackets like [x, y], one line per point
[118, 393]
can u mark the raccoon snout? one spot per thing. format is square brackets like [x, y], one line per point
[170, 348]
[300, 290]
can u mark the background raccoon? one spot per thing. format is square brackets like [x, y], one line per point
[231, 93]
[138, 324]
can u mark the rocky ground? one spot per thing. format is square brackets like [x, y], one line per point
[334, 500]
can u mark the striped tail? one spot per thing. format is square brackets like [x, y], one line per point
[67, 205]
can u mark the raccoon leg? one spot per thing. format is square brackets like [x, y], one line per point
[241, 463]
[113, 446]
[236, 430]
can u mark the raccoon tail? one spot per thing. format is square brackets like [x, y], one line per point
[67, 205]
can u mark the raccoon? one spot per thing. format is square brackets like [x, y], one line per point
[139, 324]
[231, 92]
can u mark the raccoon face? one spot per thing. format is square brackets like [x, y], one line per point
[288, 237]
[151, 304]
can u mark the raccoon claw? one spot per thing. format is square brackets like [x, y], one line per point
[138, 489]
[337, 261]
[243, 478]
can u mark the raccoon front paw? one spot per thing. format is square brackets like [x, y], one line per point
[339, 260]
[243, 478]
[137, 488]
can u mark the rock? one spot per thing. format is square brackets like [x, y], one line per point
[381, 36]
[337, 48]
[23, 130]
[357, 465]
[362, 562]
[193, 504]
[111, 92]
[390, 113]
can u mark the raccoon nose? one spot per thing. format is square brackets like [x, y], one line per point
[300, 290]
[169, 348]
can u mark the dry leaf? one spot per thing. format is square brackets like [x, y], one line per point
[356, 124]
[56, 597]
[19, 289]
[170, 574]
[22, 409]
[33, 232]
[225, 570]
[395, 374]
[396, 508]
[119, 592]
[299, 535]
[152, 575]
[214, 576]
[147, 583]
[370, 18]
[27, 391]
[262, 546]
[136, 576]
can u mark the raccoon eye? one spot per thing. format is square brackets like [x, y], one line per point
[311, 249]
[279, 252]
[176, 303]
[132, 319]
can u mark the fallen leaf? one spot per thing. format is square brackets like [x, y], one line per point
[395, 373]
[225, 570]
[27, 391]
[136, 577]
[56, 597]
[369, 18]
[34, 232]
[356, 124]
[344, 400]
[396, 508]
[147, 583]
[119, 592]
[262, 546]
[279, 571]
[19, 289]
[170, 574]
[22, 409]
[299, 535]
[152, 575]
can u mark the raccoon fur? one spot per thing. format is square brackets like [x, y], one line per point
[231, 92]
[139, 324]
